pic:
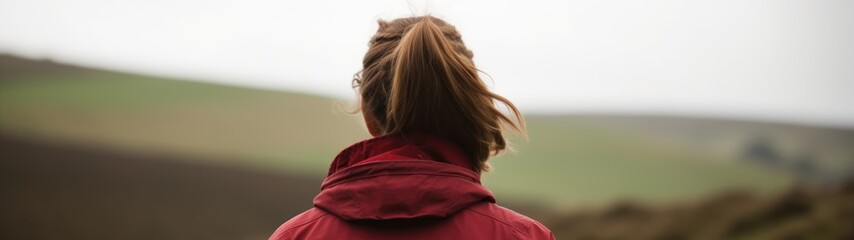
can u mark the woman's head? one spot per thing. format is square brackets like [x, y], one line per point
[418, 76]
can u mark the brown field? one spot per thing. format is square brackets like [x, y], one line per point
[54, 191]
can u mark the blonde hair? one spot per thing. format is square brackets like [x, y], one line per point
[418, 76]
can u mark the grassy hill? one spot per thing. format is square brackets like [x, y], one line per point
[569, 162]
[262, 128]
[590, 160]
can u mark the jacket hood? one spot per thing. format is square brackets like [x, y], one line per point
[400, 177]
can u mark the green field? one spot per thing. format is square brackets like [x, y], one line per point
[582, 166]
[267, 129]
[567, 163]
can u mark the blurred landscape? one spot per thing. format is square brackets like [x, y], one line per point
[98, 154]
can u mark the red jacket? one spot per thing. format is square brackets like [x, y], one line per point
[406, 187]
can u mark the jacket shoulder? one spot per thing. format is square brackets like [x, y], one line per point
[291, 228]
[497, 223]
[527, 227]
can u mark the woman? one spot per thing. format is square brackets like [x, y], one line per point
[435, 125]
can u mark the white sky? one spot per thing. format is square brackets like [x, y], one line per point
[790, 61]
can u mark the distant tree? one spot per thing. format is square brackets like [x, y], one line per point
[762, 150]
[805, 165]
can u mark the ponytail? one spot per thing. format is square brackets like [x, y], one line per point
[434, 87]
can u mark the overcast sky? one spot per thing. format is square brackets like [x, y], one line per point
[790, 61]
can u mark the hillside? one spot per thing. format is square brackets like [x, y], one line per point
[262, 128]
[68, 191]
[596, 159]
[568, 162]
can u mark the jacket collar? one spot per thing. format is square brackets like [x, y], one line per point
[410, 146]
[400, 177]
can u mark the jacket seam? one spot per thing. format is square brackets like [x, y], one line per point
[395, 174]
[305, 223]
[428, 162]
[499, 220]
